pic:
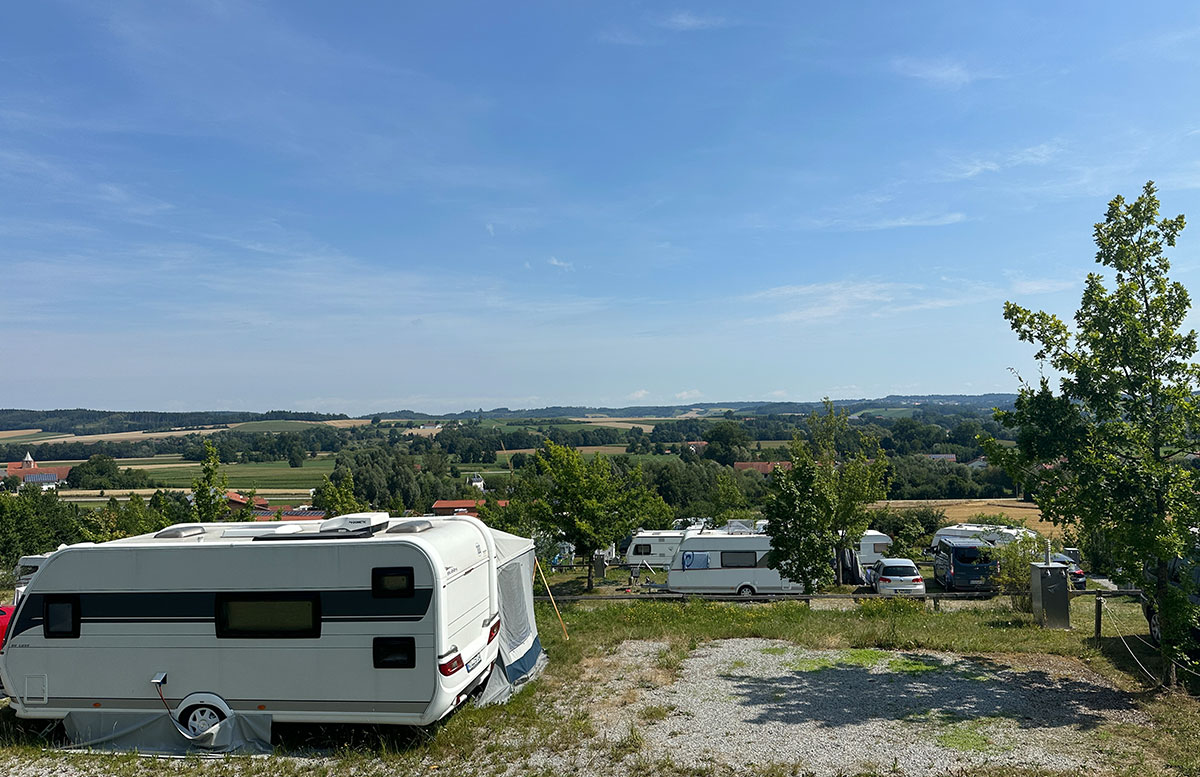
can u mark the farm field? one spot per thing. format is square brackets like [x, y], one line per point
[966, 510]
[270, 474]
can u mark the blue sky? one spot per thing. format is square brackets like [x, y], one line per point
[374, 206]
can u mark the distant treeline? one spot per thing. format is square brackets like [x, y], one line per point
[108, 422]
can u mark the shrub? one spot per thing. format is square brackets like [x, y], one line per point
[890, 607]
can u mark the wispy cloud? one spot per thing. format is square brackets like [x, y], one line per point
[639, 394]
[686, 21]
[943, 73]
[1023, 285]
[689, 394]
[554, 261]
[1033, 156]
[620, 36]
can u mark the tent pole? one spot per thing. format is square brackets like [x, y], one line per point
[566, 636]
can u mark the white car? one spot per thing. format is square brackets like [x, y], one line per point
[896, 576]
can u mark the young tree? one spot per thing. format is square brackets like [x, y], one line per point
[585, 503]
[337, 498]
[208, 490]
[1098, 454]
[838, 493]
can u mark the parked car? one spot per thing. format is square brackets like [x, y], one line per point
[896, 576]
[964, 564]
[5, 616]
[1074, 571]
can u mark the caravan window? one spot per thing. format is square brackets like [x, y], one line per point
[392, 582]
[269, 616]
[60, 617]
[739, 558]
[641, 550]
[394, 652]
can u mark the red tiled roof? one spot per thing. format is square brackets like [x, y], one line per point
[765, 467]
[240, 499]
[15, 468]
[459, 504]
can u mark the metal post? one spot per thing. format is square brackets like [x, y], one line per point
[1099, 604]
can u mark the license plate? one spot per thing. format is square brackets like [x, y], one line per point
[474, 662]
[976, 582]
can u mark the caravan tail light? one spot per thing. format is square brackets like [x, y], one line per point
[494, 631]
[451, 666]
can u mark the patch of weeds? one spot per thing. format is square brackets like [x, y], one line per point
[864, 657]
[914, 665]
[656, 712]
[811, 664]
[967, 737]
[890, 607]
[631, 743]
[738, 665]
[775, 650]
[779, 769]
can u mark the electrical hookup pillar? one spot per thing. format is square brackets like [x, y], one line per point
[1051, 595]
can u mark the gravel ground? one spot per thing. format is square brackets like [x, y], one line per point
[745, 703]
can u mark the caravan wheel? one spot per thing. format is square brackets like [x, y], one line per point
[200, 718]
[745, 591]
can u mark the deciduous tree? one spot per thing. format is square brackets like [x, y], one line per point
[208, 490]
[1098, 453]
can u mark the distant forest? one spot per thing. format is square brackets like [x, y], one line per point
[109, 422]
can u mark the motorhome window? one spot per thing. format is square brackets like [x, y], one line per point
[739, 558]
[60, 617]
[882, 547]
[394, 652]
[641, 550]
[392, 582]
[269, 616]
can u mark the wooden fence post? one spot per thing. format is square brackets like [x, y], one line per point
[1099, 616]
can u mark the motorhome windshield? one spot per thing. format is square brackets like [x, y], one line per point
[972, 556]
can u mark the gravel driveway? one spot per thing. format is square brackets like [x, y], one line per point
[746, 703]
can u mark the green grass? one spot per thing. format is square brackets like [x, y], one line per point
[35, 437]
[267, 474]
[276, 426]
[965, 738]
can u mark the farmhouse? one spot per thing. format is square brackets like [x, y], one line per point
[29, 472]
[765, 467]
[237, 501]
[949, 458]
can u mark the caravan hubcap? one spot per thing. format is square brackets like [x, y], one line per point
[202, 719]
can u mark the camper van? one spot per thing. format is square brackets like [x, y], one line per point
[716, 562]
[996, 535]
[361, 618]
[872, 546]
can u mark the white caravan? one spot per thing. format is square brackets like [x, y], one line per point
[356, 619]
[655, 548]
[872, 547]
[716, 562]
[997, 535]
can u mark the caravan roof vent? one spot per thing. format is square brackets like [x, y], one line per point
[410, 527]
[177, 532]
[354, 522]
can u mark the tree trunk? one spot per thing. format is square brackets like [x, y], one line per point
[591, 567]
[1164, 642]
[840, 572]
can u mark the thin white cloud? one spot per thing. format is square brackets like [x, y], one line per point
[491, 229]
[923, 220]
[554, 261]
[943, 73]
[619, 36]
[639, 394]
[686, 21]
[777, 394]
[1031, 156]
[689, 394]
[1022, 286]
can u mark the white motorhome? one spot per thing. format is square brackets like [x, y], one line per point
[997, 535]
[27, 566]
[717, 562]
[356, 619]
[655, 548]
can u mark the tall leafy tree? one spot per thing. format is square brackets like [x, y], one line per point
[1100, 453]
[587, 503]
[208, 490]
[820, 506]
[337, 498]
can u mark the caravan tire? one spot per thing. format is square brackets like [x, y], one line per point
[200, 718]
[745, 591]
